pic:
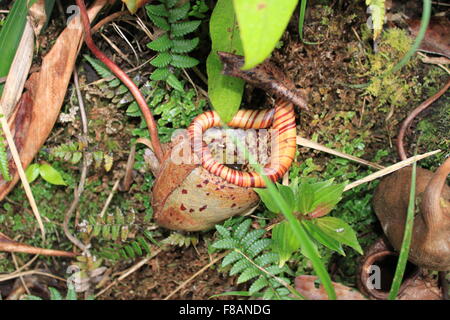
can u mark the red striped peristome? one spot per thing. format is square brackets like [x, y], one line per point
[280, 119]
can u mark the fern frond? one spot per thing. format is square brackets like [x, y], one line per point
[231, 258]
[258, 246]
[267, 258]
[184, 45]
[242, 229]
[163, 43]
[248, 274]
[160, 74]
[174, 82]
[251, 237]
[258, 285]
[157, 10]
[181, 61]
[162, 60]
[226, 244]
[224, 232]
[160, 22]
[170, 3]
[179, 13]
[99, 67]
[239, 266]
[183, 28]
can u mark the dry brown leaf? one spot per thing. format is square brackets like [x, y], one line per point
[306, 286]
[48, 88]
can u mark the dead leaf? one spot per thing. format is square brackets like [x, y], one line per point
[436, 38]
[48, 88]
[306, 286]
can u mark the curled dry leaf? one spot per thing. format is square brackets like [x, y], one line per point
[308, 287]
[9, 245]
[46, 91]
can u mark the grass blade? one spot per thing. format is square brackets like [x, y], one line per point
[404, 251]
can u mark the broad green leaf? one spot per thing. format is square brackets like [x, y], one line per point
[54, 294]
[328, 196]
[284, 242]
[225, 92]
[10, 36]
[305, 198]
[32, 172]
[51, 175]
[268, 200]
[322, 237]
[288, 195]
[261, 24]
[339, 230]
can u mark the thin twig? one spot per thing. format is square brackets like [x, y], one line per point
[84, 170]
[390, 169]
[407, 122]
[108, 19]
[27, 273]
[311, 144]
[195, 275]
[22, 280]
[129, 271]
[110, 197]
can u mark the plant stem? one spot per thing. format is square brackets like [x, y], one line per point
[151, 123]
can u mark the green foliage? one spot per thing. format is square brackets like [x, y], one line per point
[72, 152]
[171, 46]
[261, 25]
[225, 93]
[180, 240]
[310, 202]
[129, 250]
[47, 172]
[249, 253]
[56, 295]
[4, 163]
[175, 110]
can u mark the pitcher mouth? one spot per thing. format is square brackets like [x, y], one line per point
[377, 271]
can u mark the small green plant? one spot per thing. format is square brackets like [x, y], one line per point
[131, 249]
[46, 171]
[56, 295]
[251, 258]
[310, 202]
[172, 46]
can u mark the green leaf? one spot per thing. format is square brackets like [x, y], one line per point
[224, 92]
[242, 229]
[328, 196]
[225, 244]
[171, 3]
[157, 10]
[162, 60]
[51, 175]
[181, 61]
[288, 195]
[305, 198]
[224, 232]
[174, 82]
[71, 293]
[54, 294]
[179, 13]
[182, 28]
[340, 231]
[261, 24]
[163, 43]
[259, 284]
[268, 200]
[284, 242]
[10, 35]
[231, 258]
[248, 274]
[32, 172]
[184, 45]
[160, 22]
[320, 236]
[99, 67]
[160, 74]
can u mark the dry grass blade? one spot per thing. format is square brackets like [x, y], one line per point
[23, 177]
[390, 169]
[317, 146]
